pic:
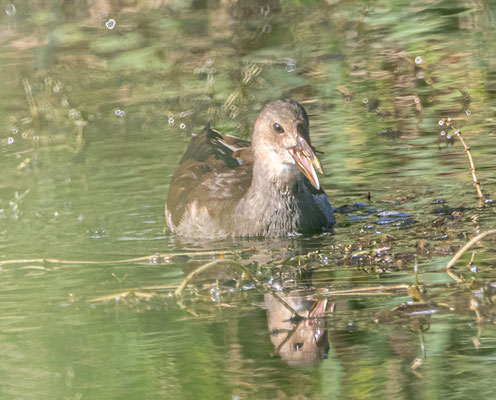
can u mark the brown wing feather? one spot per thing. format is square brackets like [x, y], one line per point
[210, 174]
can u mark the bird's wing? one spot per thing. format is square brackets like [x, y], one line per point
[210, 142]
[214, 172]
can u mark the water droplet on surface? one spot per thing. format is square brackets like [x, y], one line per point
[120, 113]
[443, 133]
[448, 137]
[468, 112]
[418, 60]
[267, 28]
[441, 123]
[365, 100]
[420, 75]
[10, 140]
[24, 135]
[110, 24]
[182, 126]
[56, 213]
[10, 10]
[171, 121]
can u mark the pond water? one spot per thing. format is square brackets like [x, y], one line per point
[99, 100]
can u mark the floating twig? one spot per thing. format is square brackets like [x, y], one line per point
[215, 263]
[460, 252]
[154, 258]
[458, 134]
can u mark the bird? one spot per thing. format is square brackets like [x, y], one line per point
[225, 186]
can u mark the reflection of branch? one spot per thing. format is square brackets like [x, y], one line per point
[468, 246]
[458, 134]
[285, 304]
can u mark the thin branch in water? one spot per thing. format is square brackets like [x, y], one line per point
[458, 134]
[215, 263]
[460, 252]
[157, 258]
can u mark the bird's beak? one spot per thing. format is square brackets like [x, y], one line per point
[306, 160]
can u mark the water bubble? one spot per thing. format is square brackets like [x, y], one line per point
[120, 113]
[290, 65]
[473, 268]
[10, 10]
[418, 60]
[420, 75]
[48, 80]
[25, 135]
[267, 28]
[449, 136]
[56, 213]
[10, 140]
[110, 24]
[14, 131]
[365, 100]
[443, 133]
[417, 100]
[171, 121]
[233, 115]
[73, 113]
[468, 112]
[182, 126]
[441, 123]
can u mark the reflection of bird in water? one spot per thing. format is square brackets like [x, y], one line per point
[227, 186]
[300, 340]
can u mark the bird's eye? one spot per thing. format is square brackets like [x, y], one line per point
[278, 128]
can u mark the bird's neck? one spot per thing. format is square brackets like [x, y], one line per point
[271, 204]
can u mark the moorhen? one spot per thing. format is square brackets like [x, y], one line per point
[225, 186]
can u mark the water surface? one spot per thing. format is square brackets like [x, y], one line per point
[99, 100]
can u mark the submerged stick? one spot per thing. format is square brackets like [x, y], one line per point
[458, 134]
[460, 252]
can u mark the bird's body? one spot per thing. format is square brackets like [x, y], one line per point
[226, 186]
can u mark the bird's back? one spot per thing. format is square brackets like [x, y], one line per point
[212, 176]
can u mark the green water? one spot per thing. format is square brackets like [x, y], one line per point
[93, 122]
